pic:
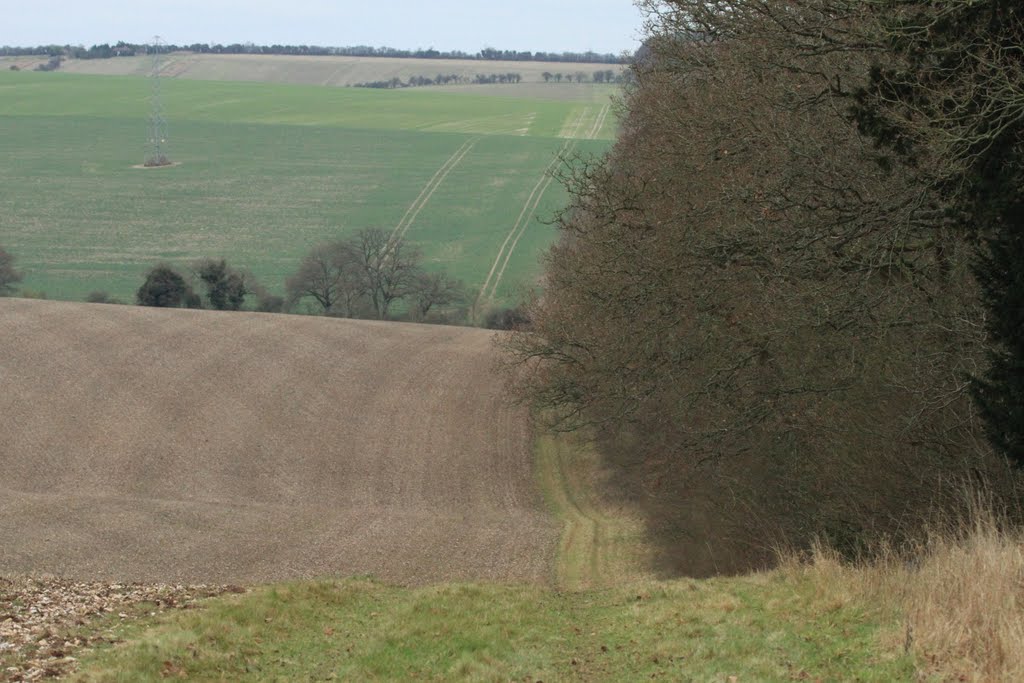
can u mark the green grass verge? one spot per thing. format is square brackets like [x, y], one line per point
[759, 628]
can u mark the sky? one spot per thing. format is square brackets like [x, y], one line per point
[536, 25]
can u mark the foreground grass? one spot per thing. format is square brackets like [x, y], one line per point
[760, 628]
[948, 609]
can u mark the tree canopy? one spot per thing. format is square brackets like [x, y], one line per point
[766, 299]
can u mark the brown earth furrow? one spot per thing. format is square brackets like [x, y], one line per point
[191, 446]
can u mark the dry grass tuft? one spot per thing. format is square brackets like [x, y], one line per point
[965, 602]
[960, 592]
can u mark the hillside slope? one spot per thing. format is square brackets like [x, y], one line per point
[321, 70]
[171, 445]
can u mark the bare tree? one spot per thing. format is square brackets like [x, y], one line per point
[330, 274]
[437, 289]
[749, 296]
[366, 273]
[388, 268]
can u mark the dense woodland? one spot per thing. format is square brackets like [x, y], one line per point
[789, 303]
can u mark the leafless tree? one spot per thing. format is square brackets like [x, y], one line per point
[752, 298]
[437, 289]
[388, 268]
[330, 274]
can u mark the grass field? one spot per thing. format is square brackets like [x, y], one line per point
[268, 170]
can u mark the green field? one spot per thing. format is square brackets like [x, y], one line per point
[268, 170]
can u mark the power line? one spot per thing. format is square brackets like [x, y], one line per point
[156, 143]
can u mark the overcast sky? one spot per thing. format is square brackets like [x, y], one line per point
[536, 25]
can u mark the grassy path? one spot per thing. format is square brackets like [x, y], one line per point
[601, 545]
[721, 630]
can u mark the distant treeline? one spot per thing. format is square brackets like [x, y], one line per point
[599, 76]
[123, 49]
[443, 79]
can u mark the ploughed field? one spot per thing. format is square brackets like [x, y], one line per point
[173, 445]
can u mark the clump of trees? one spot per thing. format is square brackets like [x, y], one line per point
[768, 304]
[52, 64]
[515, 318]
[165, 287]
[9, 276]
[366, 275]
[371, 274]
[100, 296]
[208, 283]
[225, 287]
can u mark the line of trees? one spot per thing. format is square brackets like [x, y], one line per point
[787, 304]
[123, 49]
[600, 76]
[442, 79]
[369, 275]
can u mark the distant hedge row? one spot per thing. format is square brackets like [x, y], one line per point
[123, 49]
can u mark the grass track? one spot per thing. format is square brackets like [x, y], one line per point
[487, 294]
[602, 544]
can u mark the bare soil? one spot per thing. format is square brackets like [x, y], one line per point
[45, 623]
[176, 446]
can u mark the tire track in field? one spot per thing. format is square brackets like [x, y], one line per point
[602, 116]
[574, 125]
[428, 190]
[519, 227]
